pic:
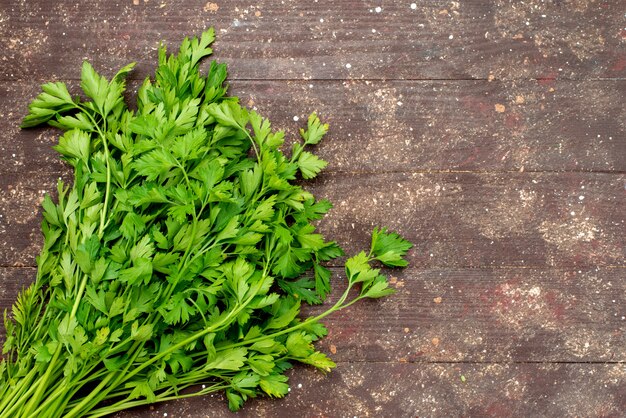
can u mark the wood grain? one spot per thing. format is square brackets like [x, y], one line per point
[454, 219]
[325, 39]
[468, 315]
[490, 133]
[397, 390]
[406, 125]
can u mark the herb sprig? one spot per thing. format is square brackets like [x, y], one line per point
[181, 253]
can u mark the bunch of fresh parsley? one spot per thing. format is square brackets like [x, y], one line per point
[180, 255]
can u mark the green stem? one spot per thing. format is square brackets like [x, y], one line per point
[43, 382]
[336, 307]
[256, 151]
[193, 337]
[97, 395]
[16, 394]
[53, 397]
[126, 404]
[77, 409]
[107, 192]
[61, 390]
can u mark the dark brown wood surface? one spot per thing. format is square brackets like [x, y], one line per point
[411, 125]
[439, 39]
[490, 133]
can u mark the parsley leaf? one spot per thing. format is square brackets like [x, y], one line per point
[389, 248]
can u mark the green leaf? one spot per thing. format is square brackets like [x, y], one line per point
[74, 144]
[261, 127]
[261, 364]
[97, 299]
[79, 121]
[378, 289]
[229, 114]
[315, 330]
[210, 172]
[200, 48]
[156, 164]
[117, 307]
[309, 240]
[268, 346]
[52, 101]
[71, 206]
[102, 336]
[357, 264]
[287, 264]
[50, 213]
[143, 249]
[245, 383]
[141, 332]
[316, 210]
[322, 280]
[95, 86]
[132, 226]
[187, 146]
[284, 311]
[114, 364]
[299, 345]
[250, 180]
[123, 72]
[275, 385]
[302, 289]
[315, 130]
[42, 353]
[320, 361]
[235, 401]
[144, 125]
[140, 272]
[232, 359]
[86, 253]
[99, 269]
[265, 209]
[177, 310]
[310, 165]
[66, 329]
[389, 248]
[141, 389]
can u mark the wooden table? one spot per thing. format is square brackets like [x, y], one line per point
[491, 134]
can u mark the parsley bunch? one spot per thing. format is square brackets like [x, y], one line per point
[176, 263]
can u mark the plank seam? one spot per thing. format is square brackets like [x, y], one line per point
[361, 80]
[442, 267]
[434, 171]
[470, 362]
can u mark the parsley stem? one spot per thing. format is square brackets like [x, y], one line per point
[105, 147]
[43, 382]
[194, 337]
[256, 151]
[16, 396]
[160, 398]
[336, 307]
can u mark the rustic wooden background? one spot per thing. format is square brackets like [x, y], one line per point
[490, 133]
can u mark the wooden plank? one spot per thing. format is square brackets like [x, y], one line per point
[486, 315]
[488, 133]
[397, 390]
[326, 39]
[467, 125]
[454, 219]
[477, 220]
[406, 126]
[467, 315]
